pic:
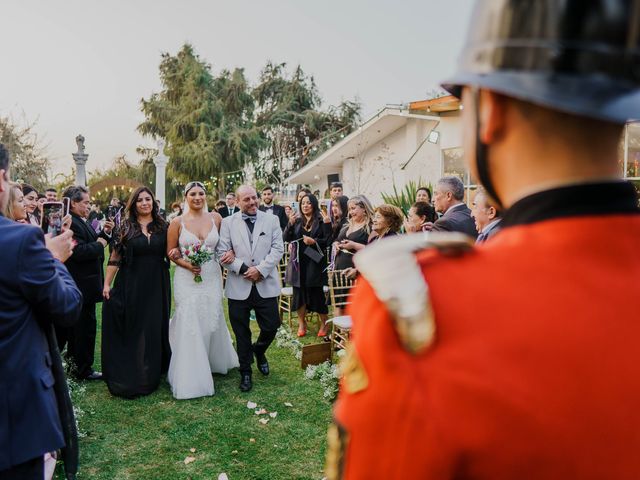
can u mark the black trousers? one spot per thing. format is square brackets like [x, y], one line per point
[30, 470]
[80, 341]
[268, 317]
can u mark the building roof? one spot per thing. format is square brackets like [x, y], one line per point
[382, 124]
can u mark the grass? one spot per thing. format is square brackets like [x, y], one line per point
[150, 437]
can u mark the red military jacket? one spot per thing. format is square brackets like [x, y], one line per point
[534, 372]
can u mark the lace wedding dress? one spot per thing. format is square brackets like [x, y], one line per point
[199, 337]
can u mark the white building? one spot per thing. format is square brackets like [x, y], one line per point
[419, 142]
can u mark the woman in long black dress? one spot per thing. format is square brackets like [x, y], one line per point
[135, 313]
[306, 271]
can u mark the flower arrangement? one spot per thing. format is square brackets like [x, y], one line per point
[197, 255]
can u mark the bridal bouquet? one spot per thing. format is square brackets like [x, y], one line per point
[197, 255]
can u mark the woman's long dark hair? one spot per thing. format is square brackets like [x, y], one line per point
[130, 227]
[338, 222]
[315, 212]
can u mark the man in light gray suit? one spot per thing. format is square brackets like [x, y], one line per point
[253, 280]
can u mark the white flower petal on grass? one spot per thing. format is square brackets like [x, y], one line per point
[288, 404]
[264, 421]
[262, 411]
[273, 414]
[251, 404]
[223, 476]
[188, 460]
[192, 450]
[252, 440]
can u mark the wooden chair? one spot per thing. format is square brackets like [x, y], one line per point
[340, 293]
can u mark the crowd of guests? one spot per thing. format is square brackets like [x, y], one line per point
[322, 235]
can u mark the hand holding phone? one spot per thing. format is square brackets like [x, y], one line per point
[54, 216]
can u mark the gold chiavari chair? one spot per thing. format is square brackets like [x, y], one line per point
[286, 292]
[340, 293]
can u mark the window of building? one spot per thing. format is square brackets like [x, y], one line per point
[453, 165]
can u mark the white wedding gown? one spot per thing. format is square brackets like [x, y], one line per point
[199, 337]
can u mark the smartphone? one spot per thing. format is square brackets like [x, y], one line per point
[323, 207]
[53, 214]
[295, 206]
[111, 212]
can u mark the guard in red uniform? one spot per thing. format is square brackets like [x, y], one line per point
[519, 358]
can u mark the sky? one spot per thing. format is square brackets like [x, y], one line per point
[82, 66]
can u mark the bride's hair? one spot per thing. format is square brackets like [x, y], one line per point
[191, 185]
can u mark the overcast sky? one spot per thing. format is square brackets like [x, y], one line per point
[83, 66]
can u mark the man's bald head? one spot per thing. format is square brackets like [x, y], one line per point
[247, 199]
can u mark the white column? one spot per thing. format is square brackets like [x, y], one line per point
[80, 159]
[161, 165]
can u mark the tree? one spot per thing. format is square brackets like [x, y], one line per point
[291, 123]
[206, 120]
[29, 161]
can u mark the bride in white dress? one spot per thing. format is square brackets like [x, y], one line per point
[198, 333]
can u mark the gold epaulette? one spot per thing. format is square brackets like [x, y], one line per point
[391, 267]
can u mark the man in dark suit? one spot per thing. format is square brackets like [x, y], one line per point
[85, 266]
[269, 207]
[231, 207]
[35, 291]
[486, 215]
[448, 199]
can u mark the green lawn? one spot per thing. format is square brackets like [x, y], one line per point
[150, 437]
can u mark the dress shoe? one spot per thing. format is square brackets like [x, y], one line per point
[93, 376]
[245, 383]
[302, 332]
[322, 333]
[263, 364]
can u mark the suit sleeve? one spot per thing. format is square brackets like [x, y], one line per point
[442, 225]
[224, 245]
[270, 262]
[289, 234]
[283, 218]
[46, 283]
[85, 251]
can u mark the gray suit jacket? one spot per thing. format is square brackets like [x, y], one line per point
[263, 251]
[456, 219]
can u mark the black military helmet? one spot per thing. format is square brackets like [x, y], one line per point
[576, 56]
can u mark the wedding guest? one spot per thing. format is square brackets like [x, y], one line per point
[306, 271]
[288, 210]
[14, 209]
[176, 211]
[387, 222]
[456, 216]
[335, 192]
[486, 215]
[219, 205]
[356, 231]
[339, 217]
[85, 266]
[230, 206]
[135, 313]
[423, 194]
[420, 214]
[51, 194]
[161, 210]
[36, 291]
[269, 206]
[302, 193]
[31, 204]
